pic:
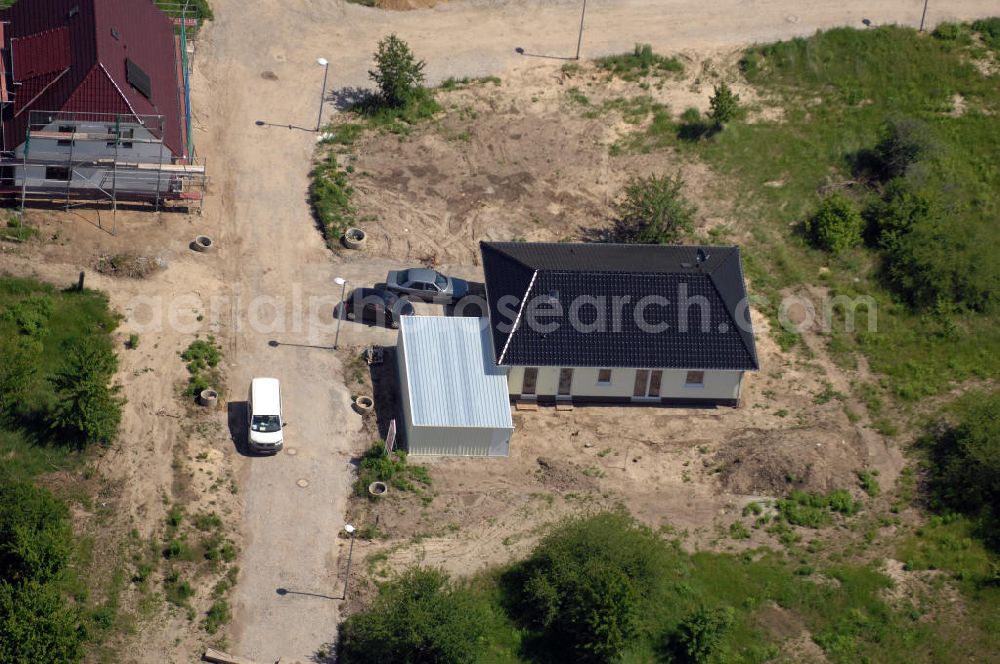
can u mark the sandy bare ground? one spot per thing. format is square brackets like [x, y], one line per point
[269, 246]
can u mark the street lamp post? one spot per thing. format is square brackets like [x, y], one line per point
[322, 93]
[579, 39]
[923, 16]
[351, 530]
[340, 281]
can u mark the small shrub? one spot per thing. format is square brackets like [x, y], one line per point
[217, 616]
[738, 531]
[207, 521]
[725, 105]
[177, 549]
[178, 592]
[700, 634]
[133, 341]
[653, 210]
[837, 225]
[989, 28]
[869, 483]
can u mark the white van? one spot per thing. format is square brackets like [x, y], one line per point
[264, 415]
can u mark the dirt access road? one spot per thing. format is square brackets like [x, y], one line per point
[259, 62]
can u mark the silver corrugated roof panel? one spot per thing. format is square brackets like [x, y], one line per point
[451, 375]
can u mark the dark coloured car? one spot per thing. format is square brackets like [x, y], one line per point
[427, 285]
[374, 305]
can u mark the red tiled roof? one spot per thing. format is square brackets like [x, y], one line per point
[92, 39]
[41, 53]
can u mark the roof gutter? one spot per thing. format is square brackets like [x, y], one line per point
[517, 319]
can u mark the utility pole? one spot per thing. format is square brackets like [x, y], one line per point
[923, 16]
[347, 579]
[579, 39]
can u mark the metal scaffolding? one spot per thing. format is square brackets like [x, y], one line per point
[78, 167]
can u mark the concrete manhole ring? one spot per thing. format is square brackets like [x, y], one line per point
[208, 398]
[354, 238]
[302, 483]
[203, 243]
[792, 18]
[291, 451]
[363, 405]
[378, 488]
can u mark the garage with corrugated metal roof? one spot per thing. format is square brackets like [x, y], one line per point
[453, 396]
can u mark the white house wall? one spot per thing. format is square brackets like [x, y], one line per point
[719, 386]
[457, 441]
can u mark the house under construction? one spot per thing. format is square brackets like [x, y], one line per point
[94, 104]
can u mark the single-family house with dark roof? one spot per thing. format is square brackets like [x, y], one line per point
[612, 323]
[92, 101]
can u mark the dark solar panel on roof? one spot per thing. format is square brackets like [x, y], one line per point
[695, 315]
[138, 79]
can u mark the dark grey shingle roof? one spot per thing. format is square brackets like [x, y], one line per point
[540, 274]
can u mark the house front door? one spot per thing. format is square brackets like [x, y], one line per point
[529, 381]
[565, 382]
[647, 384]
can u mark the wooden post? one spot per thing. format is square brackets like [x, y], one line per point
[79, 284]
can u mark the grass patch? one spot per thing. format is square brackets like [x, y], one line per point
[640, 63]
[838, 89]
[202, 359]
[393, 469]
[815, 510]
[330, 195]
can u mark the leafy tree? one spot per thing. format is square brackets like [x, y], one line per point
[586, 584]
[419, 618]
[965, 462]
[904, 142]
[398, 74]
[653, 210]
[700, 634]
[724, 104]
[837, 225]
[37, 624]
[87, 406]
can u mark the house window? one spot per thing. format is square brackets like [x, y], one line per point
[7, 176]
[123, 134]
[529, 381]
[57, 173]
[695, 379]
[604, 376]
[66, 129]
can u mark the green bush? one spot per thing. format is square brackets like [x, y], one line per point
[836, 225]
[895, 213]
[18, 367]
[87, 406]
[585, 584]
[964, 467]
[700, 634]
[653, 210]
[202, 357]
[35, 535]
[416, 619]
[724, 104]
[940, 261]
[398, 74]
[37, 624]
